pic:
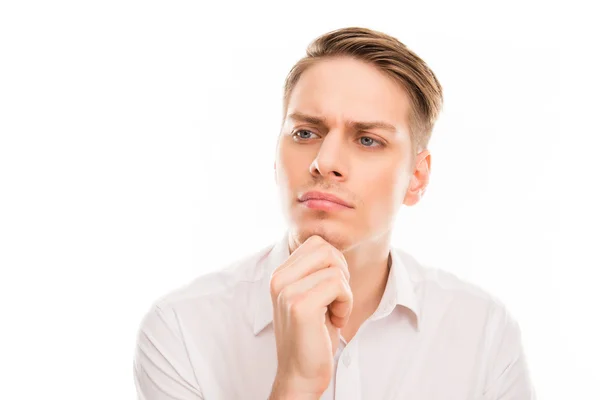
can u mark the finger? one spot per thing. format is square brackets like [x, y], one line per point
[303, 267]
[297, 290]
[334, 293]
[309, 245]
[313, 244]
[321, 258]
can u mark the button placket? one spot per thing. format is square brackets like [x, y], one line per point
[347, 359]
[348, 384]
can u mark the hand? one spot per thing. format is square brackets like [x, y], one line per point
[312, 302]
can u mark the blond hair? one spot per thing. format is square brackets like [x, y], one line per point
[390, 56]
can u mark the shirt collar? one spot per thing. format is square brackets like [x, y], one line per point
[399, 290]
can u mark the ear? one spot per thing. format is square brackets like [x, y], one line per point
[419, 179]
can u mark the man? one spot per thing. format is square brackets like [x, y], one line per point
[331, 311]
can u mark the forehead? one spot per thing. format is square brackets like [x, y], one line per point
[345, 88]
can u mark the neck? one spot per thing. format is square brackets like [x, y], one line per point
[368, 264]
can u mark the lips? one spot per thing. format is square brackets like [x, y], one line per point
[323, 196]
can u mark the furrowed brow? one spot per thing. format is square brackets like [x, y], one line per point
[301, 117]
[356, 125]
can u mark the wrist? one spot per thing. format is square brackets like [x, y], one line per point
[281, 395]
[282, 390]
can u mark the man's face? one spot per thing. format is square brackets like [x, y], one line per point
[367, 167]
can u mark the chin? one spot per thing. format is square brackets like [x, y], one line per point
[338, 236]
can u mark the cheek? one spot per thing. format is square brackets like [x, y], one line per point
[289, 173]
[381, 185]
[383, 193]
[293, 165]
[380, 192]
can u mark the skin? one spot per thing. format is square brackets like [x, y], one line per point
[337, 252]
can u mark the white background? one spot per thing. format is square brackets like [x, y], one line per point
[136, 153]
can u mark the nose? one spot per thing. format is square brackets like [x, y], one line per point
[330, 160]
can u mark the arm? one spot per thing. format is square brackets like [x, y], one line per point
[508, 376]
[162, 369]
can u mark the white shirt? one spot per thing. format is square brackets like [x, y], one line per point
[433, 336]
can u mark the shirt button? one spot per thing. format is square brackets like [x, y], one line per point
[347, 359]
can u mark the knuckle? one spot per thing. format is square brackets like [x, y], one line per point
[327, 252]
[334, 277]
[335, 257]
[296, 310]
[335, 253]
[274, 286]
[337, 279]
[316, 239]
[340, 275]
[283, 297]
[343, 285]
[334, 282]
[334, 273]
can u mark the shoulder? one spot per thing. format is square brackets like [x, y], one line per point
[189, 321]
[446, 292]
[226, 284]
[469, 318]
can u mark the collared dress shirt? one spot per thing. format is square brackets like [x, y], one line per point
[433, 336]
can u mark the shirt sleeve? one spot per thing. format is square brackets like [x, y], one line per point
[162, 368]
[508, 376]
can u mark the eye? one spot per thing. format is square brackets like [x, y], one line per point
[369, 140]
[299, 134]
[304, 134]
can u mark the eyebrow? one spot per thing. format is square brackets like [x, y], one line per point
[357, 125]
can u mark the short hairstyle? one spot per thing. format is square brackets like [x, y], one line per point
[390, 56]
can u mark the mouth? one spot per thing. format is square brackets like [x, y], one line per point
[324, 205]
[323, 201]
